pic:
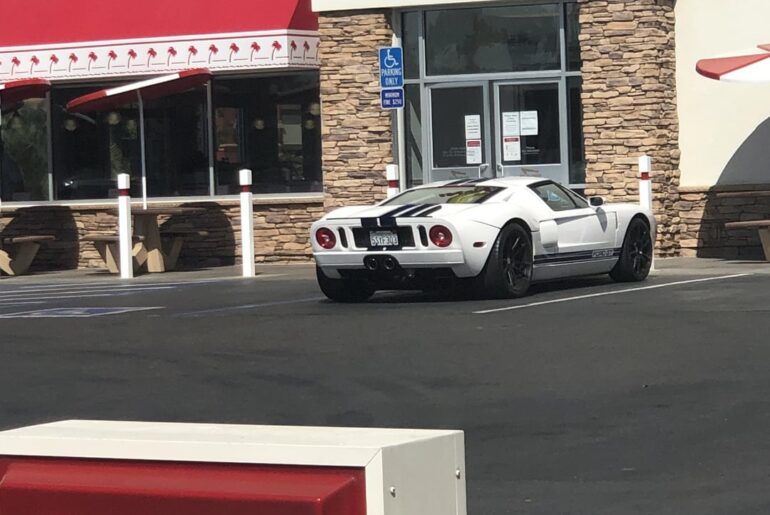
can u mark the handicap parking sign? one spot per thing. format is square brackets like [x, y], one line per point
[392, 98]
[391, 67]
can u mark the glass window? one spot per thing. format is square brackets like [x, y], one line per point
[450, 109]
[272, 126]
[410, 27]
[176, 137]
[413, 126]
[90, 150]
[572, 23]
[535, 109]
[577, 160]
[493, 39]
[447, 195]
[24, 152]
[556, 197]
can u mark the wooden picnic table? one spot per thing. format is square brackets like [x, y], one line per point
[147, 231]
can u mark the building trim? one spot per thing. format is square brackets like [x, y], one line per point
[152, 56]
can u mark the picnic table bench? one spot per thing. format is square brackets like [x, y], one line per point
[107, 245]
[764, 232]
[23, 250]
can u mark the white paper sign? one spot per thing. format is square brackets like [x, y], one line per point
[511, 148]
[529, 125]
[473, 151]
[473, 126]
[511, 124]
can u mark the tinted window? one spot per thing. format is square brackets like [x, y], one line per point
[446, 195]
[493, 39]
[556, 197]
[24, 152]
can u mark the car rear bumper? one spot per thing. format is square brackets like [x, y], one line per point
[405, 258]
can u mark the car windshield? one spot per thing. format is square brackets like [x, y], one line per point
[446, 195]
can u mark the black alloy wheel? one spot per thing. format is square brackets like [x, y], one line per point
[508, 272]
[636, 255]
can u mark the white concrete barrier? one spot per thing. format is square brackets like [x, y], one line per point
[100, 467]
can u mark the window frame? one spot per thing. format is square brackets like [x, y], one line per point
[210, 197]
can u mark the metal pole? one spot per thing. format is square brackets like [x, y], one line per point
[142, 146]
[247, 223]
[124, 227]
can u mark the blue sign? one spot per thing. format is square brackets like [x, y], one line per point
[392, 98]
[391, 67]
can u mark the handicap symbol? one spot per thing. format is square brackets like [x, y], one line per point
[390, 61]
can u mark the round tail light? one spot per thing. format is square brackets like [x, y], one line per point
[440, 236]
[325, 238]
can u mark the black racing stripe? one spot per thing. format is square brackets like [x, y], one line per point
[368, 222]
[414, 210]
[571, 257]
[428, 211]
[389, 218]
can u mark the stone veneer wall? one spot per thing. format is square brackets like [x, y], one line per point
[705, 211]
[629, 104]
[281, 233]
[357, 136]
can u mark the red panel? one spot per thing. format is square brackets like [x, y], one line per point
[69, 21]
[105, 99]
[765, 47]
[716, 68]
[19, 90]
[32, 486]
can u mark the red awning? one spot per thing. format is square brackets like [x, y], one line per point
[149, 89]
[739, 68]
[18, 90]
[100, 21]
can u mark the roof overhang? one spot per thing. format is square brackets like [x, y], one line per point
[19, 90]
[361, 5]
[149, 89]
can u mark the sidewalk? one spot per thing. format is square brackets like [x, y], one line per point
[702, 266]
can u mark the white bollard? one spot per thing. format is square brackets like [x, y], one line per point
[645, 191]
[391, 173]
[247, 223]
[645, 182]
[124, 227]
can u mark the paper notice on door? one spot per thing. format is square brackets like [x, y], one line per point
[511, 148]
[529, 125]
[473, 152]
[472, 127]
[511, 124]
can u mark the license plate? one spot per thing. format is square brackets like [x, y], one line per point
[383, 239]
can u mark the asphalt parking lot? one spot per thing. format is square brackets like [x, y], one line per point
[587, 397]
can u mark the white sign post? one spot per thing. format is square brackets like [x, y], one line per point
[247, 223]
[124, 227]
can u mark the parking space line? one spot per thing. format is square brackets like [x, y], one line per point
[122, 291]
[250, 306]
[606, 293]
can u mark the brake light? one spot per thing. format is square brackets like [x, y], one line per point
[325, 238]
[440, 236]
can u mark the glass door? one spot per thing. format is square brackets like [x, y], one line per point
[529, 130]
[459, 142]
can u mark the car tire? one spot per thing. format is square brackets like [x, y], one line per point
[508, 271]
[636, 254]
[344, 290]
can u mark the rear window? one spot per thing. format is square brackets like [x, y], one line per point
[446, 195]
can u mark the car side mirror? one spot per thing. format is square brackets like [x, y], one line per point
[596, 201]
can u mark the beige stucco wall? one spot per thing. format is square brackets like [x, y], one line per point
[723, 135]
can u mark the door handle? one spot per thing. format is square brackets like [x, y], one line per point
[482, 169]
[500, 170]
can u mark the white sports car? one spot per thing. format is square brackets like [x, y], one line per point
[500, 235]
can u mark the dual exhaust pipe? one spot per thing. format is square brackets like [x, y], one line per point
[387, 263]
